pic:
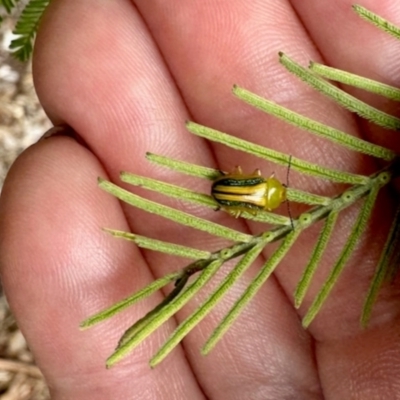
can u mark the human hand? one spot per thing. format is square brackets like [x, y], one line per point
[125, 76]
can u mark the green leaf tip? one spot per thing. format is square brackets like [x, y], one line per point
[369, 85]
[160, 245]
[378, 21]
[130, 300]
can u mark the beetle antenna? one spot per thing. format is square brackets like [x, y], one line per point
[288, 170]
[287, 185]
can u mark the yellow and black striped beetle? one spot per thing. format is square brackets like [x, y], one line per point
[237, 192]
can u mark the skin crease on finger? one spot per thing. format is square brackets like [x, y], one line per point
[125, 92]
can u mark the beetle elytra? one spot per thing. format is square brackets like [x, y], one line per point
[237, 192]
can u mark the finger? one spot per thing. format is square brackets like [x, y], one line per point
[54, 255]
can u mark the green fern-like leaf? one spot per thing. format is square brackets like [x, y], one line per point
[9, 5]
[26, 28]
[245, 248]
[249, 246]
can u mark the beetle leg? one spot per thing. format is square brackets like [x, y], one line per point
[236, 213]
[237, 170]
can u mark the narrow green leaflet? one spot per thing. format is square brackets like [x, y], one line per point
[296, 195]
[160, 245]
[299, 196]
[129, 301]
[172, 214]
[378, 21]
[200, 198]
[314, 127]
[383, 266]
[189, 323]
[344, 99]
[184, 167]
[168, 311]
[168, 189]
[251, 291]
[390, 92]
[26, 28]
[322, 242]
[9, 4]
[347, 251]
[275, 156]
[147, 319]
